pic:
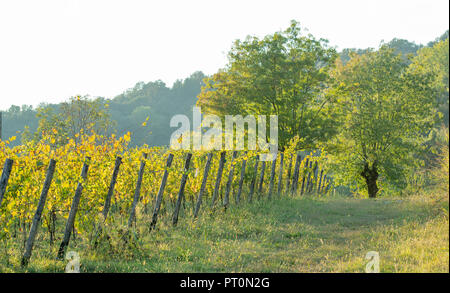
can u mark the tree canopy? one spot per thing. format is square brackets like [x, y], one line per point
[385, 113]
[281, 74]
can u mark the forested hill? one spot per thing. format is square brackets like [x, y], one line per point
[157, 101]
[128, 111]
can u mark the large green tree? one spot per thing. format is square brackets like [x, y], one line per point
[70, 119]
[385, 113]
[281, 74]
[435, 61]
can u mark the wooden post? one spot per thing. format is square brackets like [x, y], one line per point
[204, 181]
[297, 177]
[181, 190]
[107, 204]
[288, 179]
[272, 177]
[161, 192]
[226, 200]
[137, 191]
[328, 186]
[1, 122]
[323, 182]
[320, 181]
[112, 184]
[280, 175]
[241, 180]
[38, 213]
[73, 210]
[304, 176]
[308, 180]
[261, 178]
[253, 183]
[296, 173]
[219, 178]
[5, 177]
[313, 178]
[310, 176]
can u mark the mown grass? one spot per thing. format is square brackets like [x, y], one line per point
[306, 234]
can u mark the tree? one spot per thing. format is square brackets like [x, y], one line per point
[443, 37]
[347, 52]
[435, 61]
[401, 46]
[404, 47]
[158, 102]
[69, 120]
[281, 74]
[16, 121]
[385, 113]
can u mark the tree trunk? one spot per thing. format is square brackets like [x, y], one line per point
[371, 176]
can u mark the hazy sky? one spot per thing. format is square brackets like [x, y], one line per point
[51, 50]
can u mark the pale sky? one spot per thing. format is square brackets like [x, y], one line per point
[51, 50]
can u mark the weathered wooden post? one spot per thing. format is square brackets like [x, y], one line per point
[288, 179]
[308, 180]
[107, 204]
[272, 176]
[297, 178]
[304, 176]
[327, 186]
[280, 175]
[204, 181]
[181, 190]
[320, 181]
[241, 180]
[161, 192]
[261, 178]
[37, 216]
[5, 177]
[1, 122]
[323, 182]
[112, 184]
[226, 200]
[296, 174]
[313, 178]
[219, 178]
[73, 210]
[253, 183]
[137, 191]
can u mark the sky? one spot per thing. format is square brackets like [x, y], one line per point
[52, 50]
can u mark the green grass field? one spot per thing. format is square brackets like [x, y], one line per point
[307, 234]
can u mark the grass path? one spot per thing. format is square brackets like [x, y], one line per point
[284, 235]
